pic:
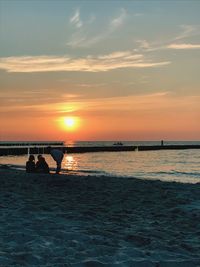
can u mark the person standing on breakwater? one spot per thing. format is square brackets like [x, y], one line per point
[57, 155]
[30, 164]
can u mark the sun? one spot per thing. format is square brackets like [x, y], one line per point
[69, 123]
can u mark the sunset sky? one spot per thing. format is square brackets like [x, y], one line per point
[99, 70]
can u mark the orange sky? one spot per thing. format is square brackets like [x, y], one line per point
[153, 117]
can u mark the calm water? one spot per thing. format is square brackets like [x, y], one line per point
[129, 143]
[165, 165]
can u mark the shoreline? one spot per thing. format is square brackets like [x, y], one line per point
[85, 173]
[52, 220]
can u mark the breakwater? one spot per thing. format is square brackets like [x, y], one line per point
[43, 150]
[30, 143]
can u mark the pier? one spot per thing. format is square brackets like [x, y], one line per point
[27, 147]
[30, 143]
[42, 149]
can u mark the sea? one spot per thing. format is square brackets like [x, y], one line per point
[166, 165]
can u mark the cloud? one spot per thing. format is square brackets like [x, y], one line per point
[171, 43]
[118, 54]
[116, 60]
[184, 46]
[138, 14]
[155, 102]
[187, 31]
[84, 38]
[75, 19]
[71, 96]
[143, 44]
[118, 21]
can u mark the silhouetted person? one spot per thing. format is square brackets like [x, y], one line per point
[30, 164]
[162, 142]
[41, 165]
[57, 155]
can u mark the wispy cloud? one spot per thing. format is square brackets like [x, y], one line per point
[75, 19]
[172, 43]
[184, 46]
[187, 31]
[145, 102]
[84, 38]
[116, 60]
[118, 54]
[118, 21]
[138, 14]
[70, 96]
[144, 44]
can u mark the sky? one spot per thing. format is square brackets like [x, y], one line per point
[99, 70]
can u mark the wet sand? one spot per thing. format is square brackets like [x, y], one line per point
[66, 220]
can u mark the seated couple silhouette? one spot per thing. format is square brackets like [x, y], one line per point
[40, 166]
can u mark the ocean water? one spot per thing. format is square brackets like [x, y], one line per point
[128, 143]
[165, 165]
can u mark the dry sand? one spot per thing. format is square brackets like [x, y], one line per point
[60, 220]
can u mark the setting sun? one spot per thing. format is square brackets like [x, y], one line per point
[69, 123]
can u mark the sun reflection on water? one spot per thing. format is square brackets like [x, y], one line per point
[70, 163]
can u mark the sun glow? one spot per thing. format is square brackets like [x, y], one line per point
[69, 123]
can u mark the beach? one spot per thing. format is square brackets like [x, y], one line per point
[74, 220]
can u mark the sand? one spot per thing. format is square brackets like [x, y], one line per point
[66, 220]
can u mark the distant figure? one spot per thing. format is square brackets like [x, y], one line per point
[57, 155]
[30, 164]
[162, 142]
[41, 165]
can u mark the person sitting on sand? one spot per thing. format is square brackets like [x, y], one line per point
[57, 155]
[41, 165]
[30, 164]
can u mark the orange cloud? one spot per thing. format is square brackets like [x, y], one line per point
[112, 61]
[184, 46]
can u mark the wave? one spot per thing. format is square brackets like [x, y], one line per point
[187, 173]
[174, 172]
[85, 171]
